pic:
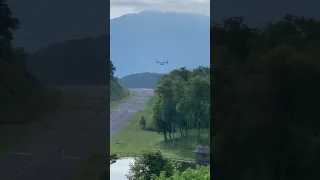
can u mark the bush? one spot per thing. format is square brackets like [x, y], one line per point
[143, 122]
[200, 173]
[152, 162]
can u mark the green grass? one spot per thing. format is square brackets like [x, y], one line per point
[132, 140]
[117, 92]
[55, 102]
[114, 104]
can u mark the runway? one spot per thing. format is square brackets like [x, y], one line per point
[71, 140]
[127, 110]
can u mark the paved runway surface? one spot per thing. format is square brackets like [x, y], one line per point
[126, 111]
[75, 135]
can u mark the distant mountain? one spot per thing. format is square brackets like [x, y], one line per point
[140, 80]
[45, 22]
[137, 40]
[80, 61]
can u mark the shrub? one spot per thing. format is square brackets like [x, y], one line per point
[143, 122]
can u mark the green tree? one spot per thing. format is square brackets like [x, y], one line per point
[166, 104]
[179, 88]
[151, 162]
[112, 70]
[142, 122]
[198, 100]
[265, 115]
[182, 73]
[8, 24]
[184, 98]
[160, 125]
[199, 173]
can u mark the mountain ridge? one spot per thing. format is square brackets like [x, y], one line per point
[76, 61]
[138, 39]
[140, 80]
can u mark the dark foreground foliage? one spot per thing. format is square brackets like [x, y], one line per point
[265, 87]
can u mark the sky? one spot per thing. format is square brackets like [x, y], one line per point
[122, 7]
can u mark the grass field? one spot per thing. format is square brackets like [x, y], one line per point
[114, 104]
[116, 91]
[132, 140]
[56, 102]
[117, 94]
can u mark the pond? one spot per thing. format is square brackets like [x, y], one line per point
[119, 169]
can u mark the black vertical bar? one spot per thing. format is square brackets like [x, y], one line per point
[54, 84]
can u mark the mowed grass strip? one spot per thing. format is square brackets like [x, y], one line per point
[132, 139]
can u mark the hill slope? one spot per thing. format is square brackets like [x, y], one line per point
[116, 91]
[75, 62]
[80, 61]
[22, 97]
[140, 80]
[138, 39]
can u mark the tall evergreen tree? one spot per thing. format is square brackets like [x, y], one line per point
[8, 24]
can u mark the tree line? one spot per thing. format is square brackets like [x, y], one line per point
[8, 25]
[183, 103]
[112, 70]
[265, 87]
[15, 79]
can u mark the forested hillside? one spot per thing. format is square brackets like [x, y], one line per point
[265, 86]
[140, 80]
[78, 61]
[22, 96]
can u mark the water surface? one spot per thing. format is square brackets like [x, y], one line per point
[119, 169]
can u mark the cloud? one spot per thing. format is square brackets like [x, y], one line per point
[121, 7]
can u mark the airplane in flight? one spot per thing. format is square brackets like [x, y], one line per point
[162, 62]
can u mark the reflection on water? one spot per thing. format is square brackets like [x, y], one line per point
[119, 169]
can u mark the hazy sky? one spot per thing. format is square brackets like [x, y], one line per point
[121, 7]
